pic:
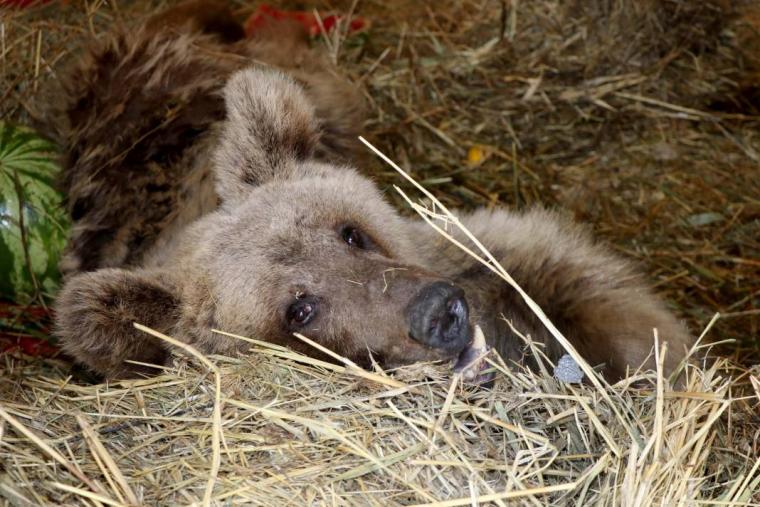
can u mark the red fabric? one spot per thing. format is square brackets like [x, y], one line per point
[22, 3]
[265, 13]
[29, 345]
[16, 340]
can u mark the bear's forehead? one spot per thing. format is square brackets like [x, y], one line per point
[292, 220]
[324, 205]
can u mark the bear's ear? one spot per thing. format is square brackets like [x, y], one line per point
[95, 316]
[270, 128]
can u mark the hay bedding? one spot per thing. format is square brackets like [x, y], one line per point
[294, 431]
[638, 116]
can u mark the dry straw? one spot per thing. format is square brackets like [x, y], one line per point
[293, 429]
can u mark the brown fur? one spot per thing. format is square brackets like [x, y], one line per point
[150, 124]
[141, 113]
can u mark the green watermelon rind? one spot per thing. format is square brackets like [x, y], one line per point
[28, 169]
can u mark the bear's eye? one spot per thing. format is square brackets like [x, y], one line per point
[353, 237]
[302, 311]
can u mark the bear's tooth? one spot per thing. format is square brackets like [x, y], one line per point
[471, 361]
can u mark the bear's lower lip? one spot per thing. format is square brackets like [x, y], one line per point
[471, 363]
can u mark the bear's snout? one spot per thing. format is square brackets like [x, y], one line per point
[439, 317]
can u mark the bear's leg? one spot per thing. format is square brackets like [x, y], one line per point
[616, 327]
[594, 297]
[95, 314]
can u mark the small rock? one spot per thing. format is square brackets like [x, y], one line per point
[568, 371]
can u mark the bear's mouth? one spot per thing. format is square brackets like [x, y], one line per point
[471, 362]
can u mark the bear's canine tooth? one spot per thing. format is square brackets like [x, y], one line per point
[471, 361]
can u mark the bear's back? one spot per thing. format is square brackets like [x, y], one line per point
[138, 127]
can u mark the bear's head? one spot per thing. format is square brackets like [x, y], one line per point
[302, 246]
[295, 246]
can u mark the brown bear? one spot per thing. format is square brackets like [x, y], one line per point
[209, 183]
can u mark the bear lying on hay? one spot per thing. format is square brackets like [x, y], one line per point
[209, 190]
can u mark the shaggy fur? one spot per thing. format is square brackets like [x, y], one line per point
[140, 111]
[205, 196]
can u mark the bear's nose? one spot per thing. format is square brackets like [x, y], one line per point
[439, 317]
